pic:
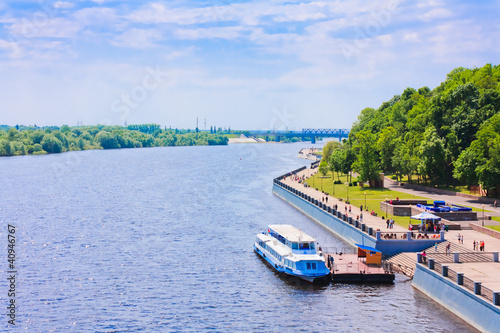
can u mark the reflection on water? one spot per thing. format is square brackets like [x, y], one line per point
[161, 240]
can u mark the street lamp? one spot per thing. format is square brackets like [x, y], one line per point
[347, 185]
[366, 208]
[483, 215]
[410, 215]
[386, 208]
[321, 178]
[333, 184]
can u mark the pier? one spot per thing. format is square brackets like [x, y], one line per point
[464, 280]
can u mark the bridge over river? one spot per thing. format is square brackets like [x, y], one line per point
[306, 133]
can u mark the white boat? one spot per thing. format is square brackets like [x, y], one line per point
[293, 252]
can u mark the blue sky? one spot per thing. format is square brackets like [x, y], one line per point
[243, 64]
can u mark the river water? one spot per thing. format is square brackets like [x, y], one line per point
[160, 240]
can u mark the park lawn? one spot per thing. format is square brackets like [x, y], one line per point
[459, 189]
[493, 227]
[232, 136]
[357, 196]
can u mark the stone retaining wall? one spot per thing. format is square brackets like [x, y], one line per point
[486, 231]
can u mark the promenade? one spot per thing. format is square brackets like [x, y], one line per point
[488, 273]
[370, 220]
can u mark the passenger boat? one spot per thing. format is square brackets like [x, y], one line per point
[291, 251]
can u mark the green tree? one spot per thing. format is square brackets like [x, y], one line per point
[323, 167]
[386, 144]
[6, 148]
[465, 168]
[432, 156]
[51, 144]
[366, 164]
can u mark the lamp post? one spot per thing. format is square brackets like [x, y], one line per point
[483, 215]
[386, 208]
[321, 178]
[410, 215]
[366, 208]
[347, 185]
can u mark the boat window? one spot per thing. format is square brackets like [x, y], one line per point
[308, 265]
[312, 246]
[304, 246]
[295, 246]
[313, 265]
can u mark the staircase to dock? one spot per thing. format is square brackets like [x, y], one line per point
[404, 263]
[466, 255]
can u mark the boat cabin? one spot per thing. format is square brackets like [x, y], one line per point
[299, 242]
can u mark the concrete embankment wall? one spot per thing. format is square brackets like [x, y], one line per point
[349, 232]
[476, 311]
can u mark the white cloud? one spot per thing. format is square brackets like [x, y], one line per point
[210, 33]
[435, 14]
[54, 28]
[63, 5]
[411, 37]
[137, 38]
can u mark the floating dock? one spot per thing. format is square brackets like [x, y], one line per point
[363, 267]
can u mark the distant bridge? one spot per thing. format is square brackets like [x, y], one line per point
[311, 133]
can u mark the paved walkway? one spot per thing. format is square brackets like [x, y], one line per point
[470, 202]
[369, 220]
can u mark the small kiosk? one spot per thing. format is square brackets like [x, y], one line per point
[372, 255]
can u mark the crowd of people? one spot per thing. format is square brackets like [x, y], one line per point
[478, 246]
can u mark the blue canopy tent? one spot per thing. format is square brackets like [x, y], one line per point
[426, 216]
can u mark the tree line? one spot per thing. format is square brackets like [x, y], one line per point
[446, 136]
[24, 140]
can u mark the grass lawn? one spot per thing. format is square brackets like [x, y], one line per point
[357, 195]
[459, 189]
[493, 227]
[232, 136]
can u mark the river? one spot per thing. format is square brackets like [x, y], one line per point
[160, 240]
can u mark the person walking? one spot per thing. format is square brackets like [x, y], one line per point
[448, 246]
[459, 238]
[387, 223]
[435, 247]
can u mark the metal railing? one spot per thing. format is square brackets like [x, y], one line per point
[474, 286]
[346, 218]
[468, 283]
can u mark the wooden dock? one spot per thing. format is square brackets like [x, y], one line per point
[349, 268]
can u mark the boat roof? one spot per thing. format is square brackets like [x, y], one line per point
[285, 251]
[291, 233]
[367, 248]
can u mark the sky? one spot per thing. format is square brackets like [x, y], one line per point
[259, 65]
